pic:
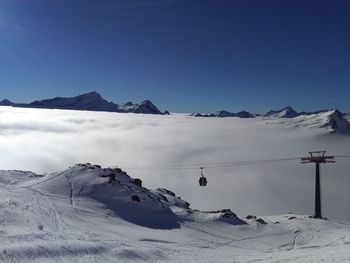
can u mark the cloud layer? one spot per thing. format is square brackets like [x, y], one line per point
[52, 140]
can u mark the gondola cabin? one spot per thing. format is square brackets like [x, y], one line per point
[202, 180]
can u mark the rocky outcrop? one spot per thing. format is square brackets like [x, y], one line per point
[338, 122]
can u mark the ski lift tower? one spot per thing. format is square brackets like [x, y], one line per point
[318, 158]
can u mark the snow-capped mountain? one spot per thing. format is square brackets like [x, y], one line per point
[197, 114]
[146, 107]
[241, 114]
[90, 101]
[225, 114]
[332, 119]
[287, 112]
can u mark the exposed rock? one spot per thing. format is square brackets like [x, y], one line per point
[250, 217]
[111, 178]
[172, 199]
[147, 107]
[136, 198]
[137, 182]
[338, 122]
[203, 115]
[261, 221]
[225, 114]
[225, 213]
[168, 192]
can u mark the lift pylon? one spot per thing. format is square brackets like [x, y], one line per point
[318, 158]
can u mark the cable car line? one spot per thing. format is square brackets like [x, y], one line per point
[213, 165]
[195, 166]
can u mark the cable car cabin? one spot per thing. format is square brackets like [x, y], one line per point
[203, 181]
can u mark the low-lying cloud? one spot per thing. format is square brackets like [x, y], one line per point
[51, 140]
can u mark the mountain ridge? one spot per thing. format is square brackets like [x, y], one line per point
[91, 101]
[286, 112]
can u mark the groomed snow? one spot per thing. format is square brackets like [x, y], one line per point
[77, 216]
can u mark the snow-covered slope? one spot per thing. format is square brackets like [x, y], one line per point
[92, 214]
[333, 120]
[287, 112]
[123, 195]
[90, 101]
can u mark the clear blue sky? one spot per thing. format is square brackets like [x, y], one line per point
[184, 55]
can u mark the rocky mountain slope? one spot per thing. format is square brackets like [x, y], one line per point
[224, 114]
[90, 101]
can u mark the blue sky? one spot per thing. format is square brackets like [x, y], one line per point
[184, 55]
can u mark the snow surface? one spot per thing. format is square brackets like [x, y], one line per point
[332, 120]
[287, 112]
[81, 215]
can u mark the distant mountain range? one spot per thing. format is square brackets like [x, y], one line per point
[334, 119]
[224, 114]
[287, 112]
[91, 102]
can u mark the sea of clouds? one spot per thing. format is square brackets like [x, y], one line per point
[52, 140]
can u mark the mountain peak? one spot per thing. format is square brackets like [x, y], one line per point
[289, 108]
[6, 102]
[92, 94]
[91, 101]
[336, 112]
[147, 102]
[147, 107]
[286, 112]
